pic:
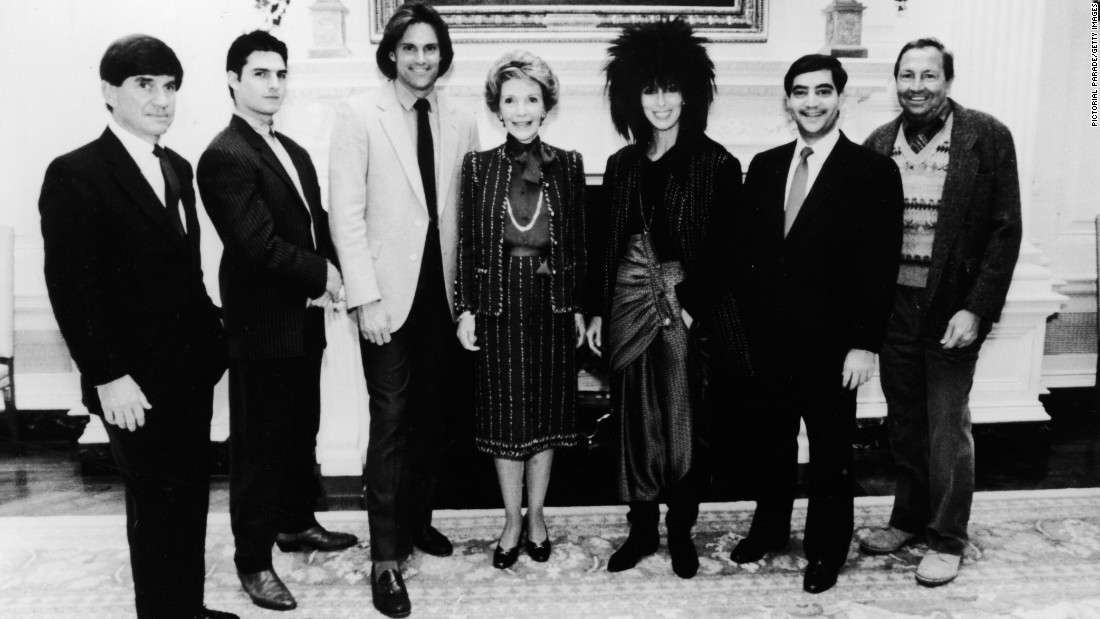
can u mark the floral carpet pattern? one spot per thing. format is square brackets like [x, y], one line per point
[1033, 554]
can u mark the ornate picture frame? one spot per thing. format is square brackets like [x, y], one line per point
[582, 20]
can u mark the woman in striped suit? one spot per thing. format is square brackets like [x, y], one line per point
[521, 268]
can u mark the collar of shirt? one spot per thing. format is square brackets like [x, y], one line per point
[407, 99]
[822, 148]
[265, 129]
[930, 128]
[142, 154]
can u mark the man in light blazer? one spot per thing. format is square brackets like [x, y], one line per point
[824, 239]
[962, 239]
[395, 169]
[277, 274]
[124, 275]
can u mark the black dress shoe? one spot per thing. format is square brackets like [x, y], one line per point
[504, 559]
[431, 541]
[387, 591]
[752, 549]
[539, 552]
[210, 613]
[685, 559]
[819, 577]
[315, 538]
[267, 591]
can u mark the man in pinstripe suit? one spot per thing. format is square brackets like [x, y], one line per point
[277, 276]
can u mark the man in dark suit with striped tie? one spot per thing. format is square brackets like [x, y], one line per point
[124, 275]
[277, 276]
[825, 234]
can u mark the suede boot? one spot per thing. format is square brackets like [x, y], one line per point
[643, 539]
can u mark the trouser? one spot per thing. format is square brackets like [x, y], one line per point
[829, 411]
[408, 414]
[927, 392]
[274, 416]
[164, 467]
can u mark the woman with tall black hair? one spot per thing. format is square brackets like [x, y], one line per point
[669, 193]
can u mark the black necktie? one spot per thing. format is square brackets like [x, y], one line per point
[425, 155]
[171, 188]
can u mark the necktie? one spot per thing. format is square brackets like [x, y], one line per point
[171, 188]
[425, 155]
[798, 189]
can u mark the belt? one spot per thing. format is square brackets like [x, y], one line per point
[518, 250]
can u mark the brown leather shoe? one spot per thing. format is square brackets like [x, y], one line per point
[315, 538]
[267, 591]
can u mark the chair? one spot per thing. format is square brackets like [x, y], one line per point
[7, 333]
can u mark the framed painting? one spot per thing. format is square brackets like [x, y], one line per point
[584, 20]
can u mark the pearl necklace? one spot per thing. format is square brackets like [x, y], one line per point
[534, 218]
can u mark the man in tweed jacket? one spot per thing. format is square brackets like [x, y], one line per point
[962, 238]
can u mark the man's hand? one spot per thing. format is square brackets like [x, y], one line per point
[592, 334]
[859, 365]
[467, 336]
[578, 323]
[962, 329]
[374, 322]
[123, 403]
[335, 283]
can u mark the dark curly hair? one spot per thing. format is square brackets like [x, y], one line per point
[661, 54]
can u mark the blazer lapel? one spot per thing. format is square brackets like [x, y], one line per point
[962, 169]
[129, 176]
[448, 141]
[831, 170]
[393, 123]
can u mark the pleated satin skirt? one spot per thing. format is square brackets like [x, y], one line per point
[526, 369]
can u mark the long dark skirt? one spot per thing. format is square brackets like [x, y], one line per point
[526, 369]
[654, 388]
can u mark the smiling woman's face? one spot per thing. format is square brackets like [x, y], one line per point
[662, 106]
[522, 109]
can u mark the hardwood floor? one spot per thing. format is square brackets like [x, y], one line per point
[51, 478]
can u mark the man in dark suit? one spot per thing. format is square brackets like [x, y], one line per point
[824, 238]
[124, 275]
[962, 239]
[277, 275]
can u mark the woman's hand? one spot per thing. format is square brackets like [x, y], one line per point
[466, 331]
[592, 334]
[578, 321]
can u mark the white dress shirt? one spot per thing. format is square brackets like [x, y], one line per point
[821, 149]
[148, 163]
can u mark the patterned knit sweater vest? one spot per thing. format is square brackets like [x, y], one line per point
[922, 179]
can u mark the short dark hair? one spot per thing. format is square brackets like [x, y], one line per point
[948, 57]
[816, 62]
[138, 54]
[406, 15]
[662, 55]
[521, 64]
[243, 46]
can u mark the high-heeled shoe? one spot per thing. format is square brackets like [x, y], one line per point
[539, 552]
[504, 559]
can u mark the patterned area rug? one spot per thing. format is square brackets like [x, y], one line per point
[1034, 554]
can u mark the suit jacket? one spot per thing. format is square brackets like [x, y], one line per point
[378, 213]
[486, 179]
[125, 285]
[828, 286]
[271, 266]
[979, 231]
